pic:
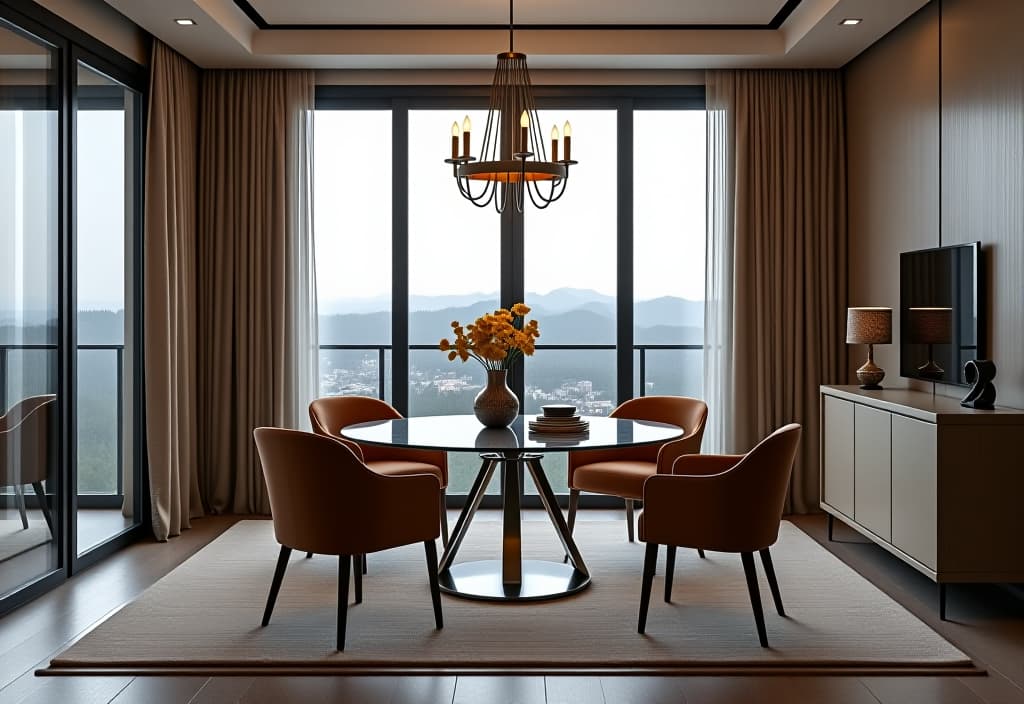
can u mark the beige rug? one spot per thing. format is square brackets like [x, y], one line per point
[14, 539]
[204, 616]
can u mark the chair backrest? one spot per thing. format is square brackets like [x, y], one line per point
[756, 486]
[330, 414]
[28, 440]
[688, 413]
[324, 500]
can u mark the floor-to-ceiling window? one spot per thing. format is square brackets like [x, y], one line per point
[30, 336]
[71, 462]
[401, 254]
[106, 120]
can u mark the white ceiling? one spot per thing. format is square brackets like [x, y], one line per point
[526, 11]
[811, 36]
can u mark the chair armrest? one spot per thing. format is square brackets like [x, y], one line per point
[704, 465]
[688, 510]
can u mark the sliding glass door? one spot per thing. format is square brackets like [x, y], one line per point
[30, 349]
[106, 120]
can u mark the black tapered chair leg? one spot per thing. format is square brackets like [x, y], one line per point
[275, 586]
[309, 555]
[630, 522]
[19, 496]
[700, 551]
[773, 583]
[755, 595]
[44, 504]
[670, 568]
[435, 589]
[574, 502]
[344, 562]
[650, 561]
[357, 576]
[364, 563]
[444, 522]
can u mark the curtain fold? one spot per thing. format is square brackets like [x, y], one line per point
[257, 321]
[169, 339]
[776, 264]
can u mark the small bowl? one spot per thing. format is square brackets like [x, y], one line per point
[559, 410]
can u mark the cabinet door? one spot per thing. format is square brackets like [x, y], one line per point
[914, 496]
[872, 466]
[837, 454]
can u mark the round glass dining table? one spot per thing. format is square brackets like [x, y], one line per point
[515, 450]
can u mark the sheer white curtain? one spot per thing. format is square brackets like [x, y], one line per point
[718, 278]
[301, 356]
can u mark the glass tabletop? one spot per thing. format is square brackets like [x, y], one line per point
[465, 433]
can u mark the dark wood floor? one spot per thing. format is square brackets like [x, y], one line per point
[987, 622]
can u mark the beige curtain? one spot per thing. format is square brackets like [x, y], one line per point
[776, 266]
[257, 321]
[170, 299]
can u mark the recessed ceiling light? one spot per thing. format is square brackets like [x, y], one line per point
[851, 21]
[185, 21]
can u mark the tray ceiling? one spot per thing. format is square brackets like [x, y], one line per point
[461, 35]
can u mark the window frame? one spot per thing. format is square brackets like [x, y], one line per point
[401, 99]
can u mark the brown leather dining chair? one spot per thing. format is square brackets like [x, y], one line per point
[726, 503]
[28, 450]
[323, 499]
[622, 472]
[330, 414]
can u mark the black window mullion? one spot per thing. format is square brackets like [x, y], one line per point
[400, 256]
[624, 254]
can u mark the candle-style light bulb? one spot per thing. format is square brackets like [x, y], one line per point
[524, 119]
[455, 140]
[466, 127]
[554, 143]
[455, 129]
[524, 128]
[567, 140]
[567, 130]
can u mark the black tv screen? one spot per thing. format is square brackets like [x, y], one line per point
[940, 312]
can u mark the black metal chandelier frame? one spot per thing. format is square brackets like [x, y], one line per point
[513, 157]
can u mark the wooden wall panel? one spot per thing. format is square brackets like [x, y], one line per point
[935, 115]
[983, 164]
[892, 117]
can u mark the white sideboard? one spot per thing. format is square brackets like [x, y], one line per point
[936, 484]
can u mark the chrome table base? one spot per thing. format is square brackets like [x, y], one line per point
[512, 578]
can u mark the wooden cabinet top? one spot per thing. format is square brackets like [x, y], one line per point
[925, 406]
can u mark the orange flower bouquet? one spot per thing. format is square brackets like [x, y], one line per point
[496, 340]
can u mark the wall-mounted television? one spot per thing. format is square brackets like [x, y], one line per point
[941, 312]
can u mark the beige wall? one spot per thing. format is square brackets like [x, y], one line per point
[98, 19]
[942, 90]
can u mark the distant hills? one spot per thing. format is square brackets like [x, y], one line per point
[567, 316]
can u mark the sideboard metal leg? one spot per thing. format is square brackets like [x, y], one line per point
[942, 601]
[831, 525]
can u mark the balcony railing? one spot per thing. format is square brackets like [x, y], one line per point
[117, 350]
[382, 349]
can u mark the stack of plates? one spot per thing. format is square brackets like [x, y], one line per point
[562, 424]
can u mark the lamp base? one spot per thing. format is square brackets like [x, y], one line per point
[931, 370]
[870, 375]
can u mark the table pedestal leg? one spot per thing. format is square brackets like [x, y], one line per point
[511, 578]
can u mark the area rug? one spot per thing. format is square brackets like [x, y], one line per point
[15, 539]
[204, 617]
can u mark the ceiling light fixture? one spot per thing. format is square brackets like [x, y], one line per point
[513, 158]
[850, 21]
[185, 21]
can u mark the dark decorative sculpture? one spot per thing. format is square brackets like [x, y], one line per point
[980, 373]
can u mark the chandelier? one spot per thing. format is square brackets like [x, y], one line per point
[513, 162]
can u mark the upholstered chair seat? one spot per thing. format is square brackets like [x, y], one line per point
[622, 472]
[324, 500]
[725, 503]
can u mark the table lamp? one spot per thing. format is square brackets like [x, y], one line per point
[931, 326]
[869, 326]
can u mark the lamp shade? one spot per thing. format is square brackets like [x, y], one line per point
[933, 326]
[866, 326]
